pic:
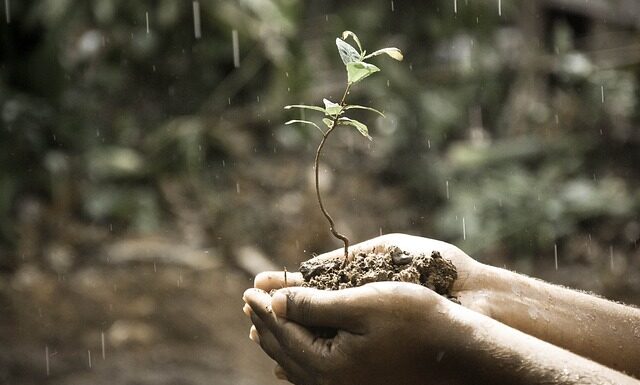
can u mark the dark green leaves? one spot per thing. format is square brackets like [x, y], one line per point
[348, 54]
[331, 108]
[394, 53]
[358, 125]
[304, 106]
[357, 71]
[357, 68]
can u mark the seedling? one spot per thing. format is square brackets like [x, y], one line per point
[335, 113]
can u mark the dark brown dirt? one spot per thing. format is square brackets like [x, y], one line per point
[391, 264]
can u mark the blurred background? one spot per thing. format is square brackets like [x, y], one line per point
[146, 172]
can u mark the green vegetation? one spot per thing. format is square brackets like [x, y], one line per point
[357, 70]
[528, 132]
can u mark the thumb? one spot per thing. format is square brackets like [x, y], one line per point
[319, 308]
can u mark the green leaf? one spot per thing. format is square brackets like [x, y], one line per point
[315, 108]
[346, 34]
[391, 51]
[348, 54]
[357, 71]
[305, 122]
[331, 108]
[328, 122]
[359, 125]
[351, 106]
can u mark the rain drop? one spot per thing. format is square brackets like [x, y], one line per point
[446, 183]
[102, 343]
[455, 6]
[238, 188]
[236, 48]
[196, 20]
[602, 93]
[499, 7]
[89, 358]
[147, 18]
[611, 256]
[464, 230]
[46, 359]
[7, 11]
[392, 6]
[555, 254]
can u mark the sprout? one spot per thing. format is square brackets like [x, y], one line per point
[357, 70]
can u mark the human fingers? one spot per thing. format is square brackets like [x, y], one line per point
[274, 280]
[288, 358]
[280, 373]
[297, 340]
[319, 308]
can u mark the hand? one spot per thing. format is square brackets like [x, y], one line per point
[384, 333]
[469, 288]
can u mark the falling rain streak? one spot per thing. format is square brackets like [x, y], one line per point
[102, 339]
[146, 15]
[499, 7]
[447, 184]
[602, 93]
[89, 358]
[196, 20]
[392, 6]
[7, 11]
[455, 6]
[236, 48]
[46, 359]
[611, 256]
[464, 230]
[555, 254]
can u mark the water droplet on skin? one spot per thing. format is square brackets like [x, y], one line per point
[533, 313]
[636, 332]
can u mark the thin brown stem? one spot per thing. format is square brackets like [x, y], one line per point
[335, 233]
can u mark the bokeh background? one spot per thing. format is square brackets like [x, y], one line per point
[146, 172]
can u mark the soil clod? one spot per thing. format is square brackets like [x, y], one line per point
[391, 264]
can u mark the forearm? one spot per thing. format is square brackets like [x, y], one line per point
[496, 353]
[601, 330]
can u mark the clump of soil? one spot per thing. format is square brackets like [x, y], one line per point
[390, 264]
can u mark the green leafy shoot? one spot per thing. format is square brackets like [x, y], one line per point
[334, 113]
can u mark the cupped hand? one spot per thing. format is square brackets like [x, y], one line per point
[468, 288]
[384, 333]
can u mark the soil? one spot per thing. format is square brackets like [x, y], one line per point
[391, 264]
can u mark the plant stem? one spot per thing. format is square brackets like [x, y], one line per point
[335, 233]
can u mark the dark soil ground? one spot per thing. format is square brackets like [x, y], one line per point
[392, 264]
[136, 322]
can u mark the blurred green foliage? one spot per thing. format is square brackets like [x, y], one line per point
[98, 113]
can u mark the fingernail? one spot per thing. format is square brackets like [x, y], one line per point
[279, 303]
[253, 335]
[246, 309]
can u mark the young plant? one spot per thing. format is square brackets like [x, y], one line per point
[335, 113]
